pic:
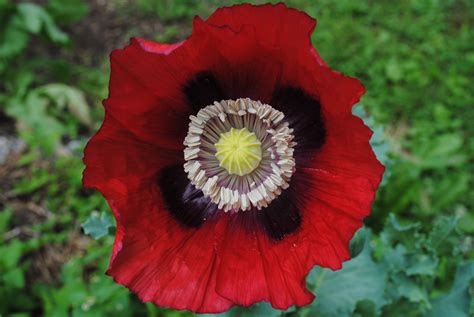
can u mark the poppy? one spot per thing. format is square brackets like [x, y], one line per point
[232, 162]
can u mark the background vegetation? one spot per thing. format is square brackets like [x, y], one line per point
[416, 59]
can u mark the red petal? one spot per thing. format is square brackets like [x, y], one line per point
[240, 63]
[145, 94]
[158, 48]
[113, 156]
[335, 193]
[272, 43]
[347, 151]
[275, 25]
[318, 58]
[162, 261]
[115, 153]
[333, 208]
[254, 268]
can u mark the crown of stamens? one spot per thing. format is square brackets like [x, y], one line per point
[239, 153]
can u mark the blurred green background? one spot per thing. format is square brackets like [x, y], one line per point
[416, 59]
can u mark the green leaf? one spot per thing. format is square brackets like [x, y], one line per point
[395, 258]
[71, 97]
[53, 32]
[409, 289]
[14, 38]
[338, 292]
[466, 223]
[365, 308]
[32, 15]
[357, 243]
[393, 70]
[70, 11]
[14, 278]
[5, 217]
[257, 310]
[421, 264]
[441, 151]
[394, 232]
[97, 225]
[41, 115]
[457, 302]
[441, 230]
[35, 125]
[11, 254]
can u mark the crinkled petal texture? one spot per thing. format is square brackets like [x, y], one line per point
[229, 260]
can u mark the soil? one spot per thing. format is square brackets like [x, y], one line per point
[107, 27]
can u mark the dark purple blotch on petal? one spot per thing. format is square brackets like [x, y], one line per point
[280, 218]
[303, 113]
[185, 202]
[202, 90]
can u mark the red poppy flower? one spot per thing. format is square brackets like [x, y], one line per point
[232, 162]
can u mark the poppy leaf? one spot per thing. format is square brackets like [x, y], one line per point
[338, 292]
[257, 310]
[457, 301]
[97, 226]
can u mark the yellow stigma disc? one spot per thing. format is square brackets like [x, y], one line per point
[239, 151]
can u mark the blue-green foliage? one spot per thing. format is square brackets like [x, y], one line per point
[360, 279]
[97, 225]
[414, 256]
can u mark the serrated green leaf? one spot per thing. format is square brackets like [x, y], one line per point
[338, 292]
[421, 264]
[457, 302]
[395, 232]
[393, 222]
[442, 228]
[97, 225]
[395, 258]
[410, 290]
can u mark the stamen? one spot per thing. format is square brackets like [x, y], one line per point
[239, 153]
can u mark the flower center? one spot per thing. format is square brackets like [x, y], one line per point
[239, 151]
